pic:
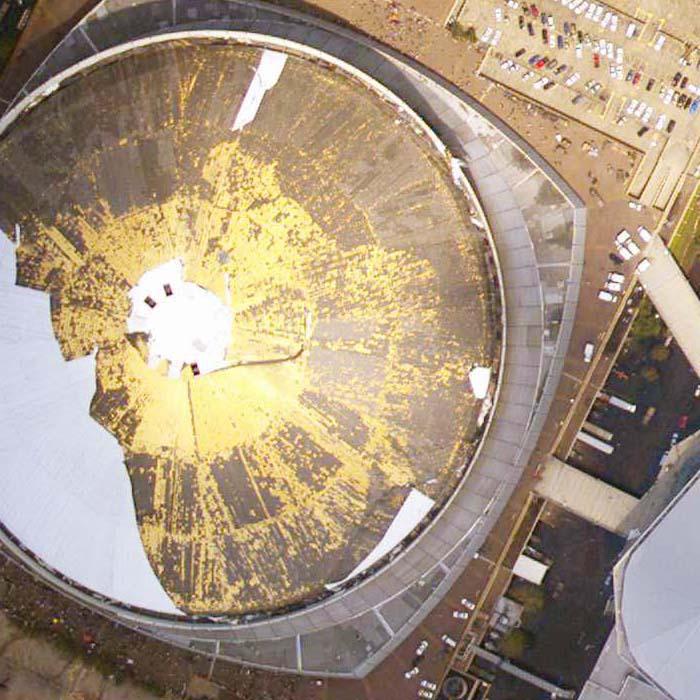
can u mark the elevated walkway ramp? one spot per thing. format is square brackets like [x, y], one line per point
[674, 299]
[585, 496]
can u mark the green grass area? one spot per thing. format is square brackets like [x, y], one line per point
[685, 242]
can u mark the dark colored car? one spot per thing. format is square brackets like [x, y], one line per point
[637, 78]
[521, 21]
[561, 69]
[616, 258]
[560, 41]
[530, 29]
[684, 82]
[596, 60]
[534, 11]
[630, 75]
[519, 53]
[567, 29]
[650, 84]
[533, 59]
[643, 131]
[545, 36]
[676, 79]
[671, 126]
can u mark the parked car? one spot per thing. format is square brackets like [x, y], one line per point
[623, 236]
[588, 352]
[607, 296]
[643, 265]
[644, 233]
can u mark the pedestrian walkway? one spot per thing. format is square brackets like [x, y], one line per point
[674, 299]
[585, 496]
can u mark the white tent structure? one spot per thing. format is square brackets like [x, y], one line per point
[64, 490]
[657, 598]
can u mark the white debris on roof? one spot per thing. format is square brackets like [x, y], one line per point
[266, 76]
[480, 378]
[416, 506]
[64, 489]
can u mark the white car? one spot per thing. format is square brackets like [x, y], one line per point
[637, 206]
[658, 44]
[613, 286]
[499, 14]
[598, 14]
[540, 83]
[460, 614]
[428, 685]
[619, 55]
[588, 352]
[413, 672]
[632, 106]
[486, 36]
[591, 10]
[572, 80]
[528, 75]
[610, 50]
[647, 115]
[581, 8]
[496, 38]
[624, 253]
[579, 51]
[616, 277]
[633, 247]
[550, 21]
[643, 265]
[467, 603]
[622, 237]
[697, 388]
[644, 233]
[446, 639]
[606, 20]
[422, 646]
[667, 96]
[631, 30]
[607, 296]
[641, 108]
[613, 23]
[426, 694]
[660, 122]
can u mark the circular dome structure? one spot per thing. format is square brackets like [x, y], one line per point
[272, 289]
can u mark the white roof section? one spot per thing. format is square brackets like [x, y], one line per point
[613, 678]
[416, 506]
[530, 569]
[64, 489]
[658, 598]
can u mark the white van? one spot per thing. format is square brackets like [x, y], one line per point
[616, 277]
[643, 265]
[588, 352]
[607, 296]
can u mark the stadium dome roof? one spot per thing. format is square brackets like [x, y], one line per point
[657, 598]
[266, 300]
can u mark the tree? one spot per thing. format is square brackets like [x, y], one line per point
[515, 643]
[647, 324]
[659, 353]
[650, 373]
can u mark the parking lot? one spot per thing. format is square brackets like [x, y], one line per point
[619, 74]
